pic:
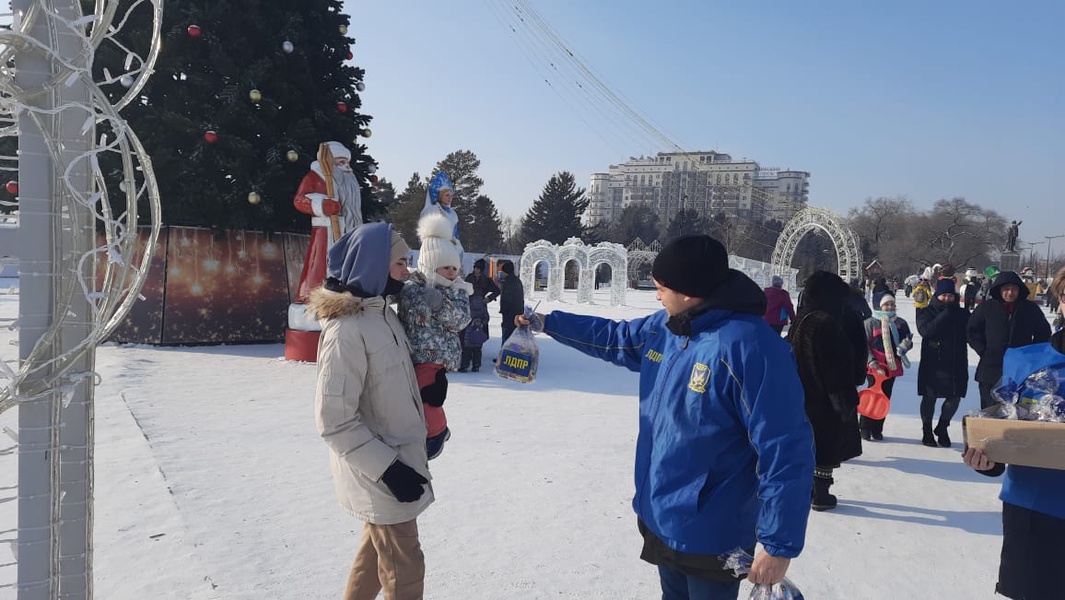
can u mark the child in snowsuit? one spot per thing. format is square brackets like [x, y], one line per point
[889, 340]
[434, 306]
[475, 334]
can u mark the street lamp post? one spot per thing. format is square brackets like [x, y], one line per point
[1046, 276]
[1031, 255]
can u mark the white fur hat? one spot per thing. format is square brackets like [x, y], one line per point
[438, 250]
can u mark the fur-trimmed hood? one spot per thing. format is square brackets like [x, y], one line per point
[327, 304]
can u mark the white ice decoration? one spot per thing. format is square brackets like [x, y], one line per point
[587, 258]
[848, 252]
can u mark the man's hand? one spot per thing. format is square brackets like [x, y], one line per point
[535, 322]
[767, 568]
[976, 459]
[330, 207]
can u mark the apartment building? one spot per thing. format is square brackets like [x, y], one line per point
[710, 182]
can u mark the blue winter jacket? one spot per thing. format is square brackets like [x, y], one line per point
[1041, 490]
[725, 455]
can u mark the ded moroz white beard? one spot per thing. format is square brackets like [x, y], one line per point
[346, 187]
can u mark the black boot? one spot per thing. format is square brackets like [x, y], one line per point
[928, 439]
[928, 407]
[941, 433]
[820, 499]
[475, 357]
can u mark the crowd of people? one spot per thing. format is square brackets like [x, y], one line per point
[990, 316]
[741, 430]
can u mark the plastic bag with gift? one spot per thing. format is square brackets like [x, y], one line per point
[1032, 386]
[519, 355]
[740, 563]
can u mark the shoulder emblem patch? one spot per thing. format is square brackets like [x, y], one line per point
[700, 375]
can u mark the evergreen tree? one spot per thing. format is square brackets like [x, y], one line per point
[686, 222]
[482, 229]
[461, 168]
[269, 80]
[407, 208]
[635, 221]
[556, 215]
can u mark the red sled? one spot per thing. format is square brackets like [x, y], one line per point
[872, 401]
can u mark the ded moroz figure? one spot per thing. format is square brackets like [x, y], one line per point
[330, 194]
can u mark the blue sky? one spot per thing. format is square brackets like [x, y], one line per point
[924, 99]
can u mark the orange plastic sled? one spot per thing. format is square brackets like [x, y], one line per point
[872, 401]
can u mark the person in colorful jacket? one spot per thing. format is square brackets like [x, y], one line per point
[724, 455]
[889, 340]
[1033, 510]
[779, 310]
[922, 294]
[368, 411]
[434, 307]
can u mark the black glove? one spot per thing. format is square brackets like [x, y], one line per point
[405, 483]
[435, 393]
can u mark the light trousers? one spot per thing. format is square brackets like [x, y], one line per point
[390, 560]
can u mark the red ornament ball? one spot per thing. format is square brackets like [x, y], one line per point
[373, 179]
[12, 187]
[210, 136]
[194, 31]
[350, 55]
[342, 107]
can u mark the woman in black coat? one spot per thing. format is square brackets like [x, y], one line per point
[944, 368]
[829, 345]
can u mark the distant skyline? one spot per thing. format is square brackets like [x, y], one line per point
[926, 100]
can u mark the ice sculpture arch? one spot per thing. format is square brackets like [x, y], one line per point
[848, 252]
[587, 257]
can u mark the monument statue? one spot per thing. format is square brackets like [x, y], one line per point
[1011, 235]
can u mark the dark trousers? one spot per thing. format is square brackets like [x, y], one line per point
[928, 410]
[986, 399]
[678, 586]
[876, 425]
[508, 327]
[778, 328]
[471, 357]
[1028, 538]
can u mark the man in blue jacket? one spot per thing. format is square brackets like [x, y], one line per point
[725, 455]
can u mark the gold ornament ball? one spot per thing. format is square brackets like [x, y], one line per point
[254, 198]
[292, 156]
[343, 30]
[366, 132]
[255, 95]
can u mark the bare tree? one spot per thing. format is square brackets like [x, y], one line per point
[957, 232]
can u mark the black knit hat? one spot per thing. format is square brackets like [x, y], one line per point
[507, 267]
[693, 265]
[478, 264]
[944, 286]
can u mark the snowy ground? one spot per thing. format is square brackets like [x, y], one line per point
[211, 482]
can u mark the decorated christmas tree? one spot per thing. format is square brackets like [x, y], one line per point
[243, 93]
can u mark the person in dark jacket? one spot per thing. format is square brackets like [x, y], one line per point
[477, 333]
[944, 368]
[829, 346]
[724, 455]
[511, 297]
[1007, 319]
[1033, 514]
[856, 301]
[778, 308]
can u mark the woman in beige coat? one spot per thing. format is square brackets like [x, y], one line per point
[369, 411]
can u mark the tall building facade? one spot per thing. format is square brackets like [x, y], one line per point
[709, 182]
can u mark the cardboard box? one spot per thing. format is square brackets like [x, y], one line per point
[1028, 443]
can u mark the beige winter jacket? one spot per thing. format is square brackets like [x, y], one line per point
[367, 404]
